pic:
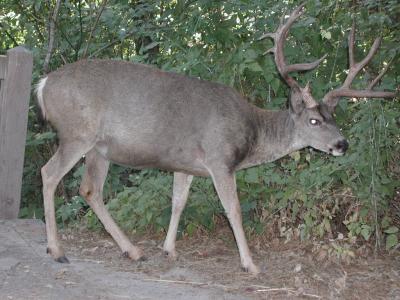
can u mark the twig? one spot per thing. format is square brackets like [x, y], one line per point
[103, 5]
[88, 260]
[311, 295]
[188, 282]
[288, 290]
[78, 46]
[176, 281]
[112, 43]
[50, 46]
[64, 35]
[63, 59]
[379, 77]
[260, 286]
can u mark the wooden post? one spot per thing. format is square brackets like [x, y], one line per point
[15, 87]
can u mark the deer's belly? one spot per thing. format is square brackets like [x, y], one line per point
[147, 156]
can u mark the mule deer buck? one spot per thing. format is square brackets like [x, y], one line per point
[139, 116]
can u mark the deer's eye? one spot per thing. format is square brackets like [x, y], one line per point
[315, 122]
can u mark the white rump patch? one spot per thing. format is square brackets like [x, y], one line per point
[39, 94]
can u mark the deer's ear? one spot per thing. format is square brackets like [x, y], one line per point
[296, 103]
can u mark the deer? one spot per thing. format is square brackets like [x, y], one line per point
[142, 117]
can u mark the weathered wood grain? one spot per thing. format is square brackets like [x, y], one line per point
[14, 103]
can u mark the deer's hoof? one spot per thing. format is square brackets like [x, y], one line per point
[134, 255]
[58, 254]
[252, 269]
[171, 255]
[62, 259]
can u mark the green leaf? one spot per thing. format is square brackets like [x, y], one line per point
[255, 67]
[364, 212]
[268, 76]
[250, 55]
[113, 204]
[385, 222]
[326, 34]
[391, 241]
[248, 206]
[149, 215]
[295, 155]
[251, 175]
[275, 83]
[392, 230]
[366, 232]
[191, 228]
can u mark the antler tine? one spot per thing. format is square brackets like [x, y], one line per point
[332, 98]
[357, 67]
[352, 37]
[305, 66]
[279, 37]
[284, 26]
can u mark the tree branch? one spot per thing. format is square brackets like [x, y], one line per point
[50, 46]
[380, 75]
[103, 5]
[112, 43]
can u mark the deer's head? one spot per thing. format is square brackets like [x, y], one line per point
[313, 120]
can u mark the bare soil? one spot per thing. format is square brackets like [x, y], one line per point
[291, 270]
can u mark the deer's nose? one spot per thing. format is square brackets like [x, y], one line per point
[342, 146]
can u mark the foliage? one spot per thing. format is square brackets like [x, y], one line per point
[308, 194]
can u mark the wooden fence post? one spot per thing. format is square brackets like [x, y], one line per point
[15, 87]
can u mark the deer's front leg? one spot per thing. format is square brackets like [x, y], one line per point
[225, 184]
[179, 197]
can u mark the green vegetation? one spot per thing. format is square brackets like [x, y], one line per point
[307, 194]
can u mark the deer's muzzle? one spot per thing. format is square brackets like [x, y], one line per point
[339, 148]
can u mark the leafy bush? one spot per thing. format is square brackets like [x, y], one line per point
[307, 194]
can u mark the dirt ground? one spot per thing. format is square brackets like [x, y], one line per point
[289, 271]
[208, 268]
[28, 273]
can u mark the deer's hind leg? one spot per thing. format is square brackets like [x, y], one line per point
[66, 156]
[92, 190]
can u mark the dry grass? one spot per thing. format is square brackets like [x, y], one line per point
[292, 270]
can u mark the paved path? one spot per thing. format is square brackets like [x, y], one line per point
[27, 272]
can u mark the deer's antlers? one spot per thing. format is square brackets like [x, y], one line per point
[332, 98]
[279, 37]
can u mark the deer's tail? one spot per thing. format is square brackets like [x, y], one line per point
[39, 94]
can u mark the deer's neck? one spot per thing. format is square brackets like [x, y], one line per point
[275, 138]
